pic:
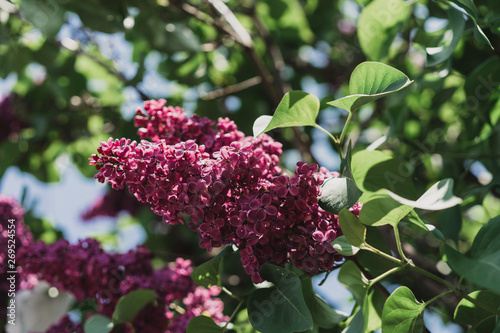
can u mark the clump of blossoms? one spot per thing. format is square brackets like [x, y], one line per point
[17, 234]
[88, 272]
[229, 185]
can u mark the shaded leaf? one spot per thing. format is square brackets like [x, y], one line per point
[342, 246]
[323, 315]
[338, 193]
[436, 55]
[130, 305]
[98, 324]
[281, 308]
[467, 313]
[208, 273]
[374, 170]
[203, 324]
[381, 209]
[482, 267]
[352, 228]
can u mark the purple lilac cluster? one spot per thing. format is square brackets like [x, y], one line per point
[230, 185]
[10, 209]
[111, 204]
[88, 272]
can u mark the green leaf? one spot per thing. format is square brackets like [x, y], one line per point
[342, 246]
[374, 170]
[352, 228]
[130, 305]
[353, 279]
[378, 26]
[208, 273]
[47, 16]
[338, 193]
[439, 196]
[467, 313]
[323, 315]
[370, 81]
[381, 209]
[281, 308]
[482, 267]
[402, 313]
[450, 223]
[473, 13]
[203, 324]
[98, 324]
[297, 108]
[370, 300]
[436, 55]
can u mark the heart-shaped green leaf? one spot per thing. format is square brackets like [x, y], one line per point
[297, 108]
[203, 324]
[439, 196]
[370, 81]
[130, 305]
[281, 308]
[402, 313]
[98, 324]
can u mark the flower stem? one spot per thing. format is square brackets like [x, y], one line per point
[233, 314]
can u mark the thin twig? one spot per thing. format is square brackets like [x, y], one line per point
[232, 89]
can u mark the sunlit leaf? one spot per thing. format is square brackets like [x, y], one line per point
[439, 196]
[402, 313]
[381, 209]
[370, 81]
[378, 26]
[297, 108]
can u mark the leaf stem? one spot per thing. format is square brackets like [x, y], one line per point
[452, 288]
[230, 294]
[368, 247]
[334, 139]
[438, 297]
[344, 130]
[398, 243]
[233, 314]
[386, 274]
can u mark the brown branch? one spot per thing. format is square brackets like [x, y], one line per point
[232, 89]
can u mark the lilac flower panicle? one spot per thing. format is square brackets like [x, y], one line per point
[230, 185]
